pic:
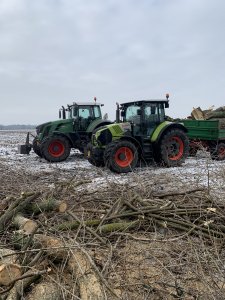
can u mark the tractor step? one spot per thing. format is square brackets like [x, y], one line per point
[147, 150]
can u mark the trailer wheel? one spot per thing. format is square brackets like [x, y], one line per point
[174, 148]
[218, 151]
[55, 148]
[36, 147]
[121, 156]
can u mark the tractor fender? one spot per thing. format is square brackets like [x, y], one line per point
[97, 123]
[163, 128]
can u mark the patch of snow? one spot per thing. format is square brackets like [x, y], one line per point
[195, 171]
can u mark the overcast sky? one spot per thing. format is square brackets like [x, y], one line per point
[54, 52]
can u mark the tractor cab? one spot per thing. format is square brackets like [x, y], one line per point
[144, 115]
[83, 114]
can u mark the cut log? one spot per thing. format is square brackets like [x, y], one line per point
[122, 226]
[49, 204]
[54, 247]
[8, 273]
[15, 208]
[45, 291]
[89, 285]
[25, 224]
[197, 114]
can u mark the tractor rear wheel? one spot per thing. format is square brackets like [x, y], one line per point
[55, 148]
[218, 151]
[174, 148]
[36, 147]
[121, 156]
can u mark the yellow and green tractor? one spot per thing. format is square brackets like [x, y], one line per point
[141, 132]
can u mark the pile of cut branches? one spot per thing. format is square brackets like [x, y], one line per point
[122, 241]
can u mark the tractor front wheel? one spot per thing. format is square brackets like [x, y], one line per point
[174, 148]
[121, 156]
[95, 161]
[55, 148]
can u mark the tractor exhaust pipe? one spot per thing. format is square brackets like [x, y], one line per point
[117, 112]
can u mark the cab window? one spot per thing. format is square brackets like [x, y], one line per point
[132, 114]
[151, 113]
[97, 112]
[84, 112]
[161, 113]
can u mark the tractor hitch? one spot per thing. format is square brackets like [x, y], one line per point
[26, 148]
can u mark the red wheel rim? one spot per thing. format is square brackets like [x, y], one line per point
[176, 148]
[124, 157]
[221, 152]
[56, 148]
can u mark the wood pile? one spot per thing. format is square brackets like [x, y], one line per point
[62, 242]
[209, 114]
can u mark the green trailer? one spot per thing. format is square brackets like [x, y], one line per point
[208, 135]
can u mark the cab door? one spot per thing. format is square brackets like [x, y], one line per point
[85, 117]
[150, 118]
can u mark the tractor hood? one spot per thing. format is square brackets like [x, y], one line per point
[107, 133]
[58, 125]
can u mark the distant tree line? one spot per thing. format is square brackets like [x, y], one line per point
[16, 127]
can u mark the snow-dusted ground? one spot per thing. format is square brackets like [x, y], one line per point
[195, 172]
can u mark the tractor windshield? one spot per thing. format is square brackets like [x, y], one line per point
[133, 114]
[86, 111]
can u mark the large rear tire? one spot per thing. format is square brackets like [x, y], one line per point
[36, 147]
[55, 148]
[121, 156]
[174, 148]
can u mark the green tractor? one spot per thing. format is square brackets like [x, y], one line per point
[141, 132]
[55, 139]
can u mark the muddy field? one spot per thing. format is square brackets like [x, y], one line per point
[158, 232]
